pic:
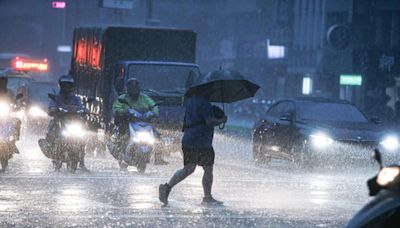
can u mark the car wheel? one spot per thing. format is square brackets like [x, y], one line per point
[260, 154]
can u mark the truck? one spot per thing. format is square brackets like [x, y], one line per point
[162, 59]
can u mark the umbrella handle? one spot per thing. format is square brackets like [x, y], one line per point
[221, 126]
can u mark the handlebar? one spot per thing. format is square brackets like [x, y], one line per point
[136, 115]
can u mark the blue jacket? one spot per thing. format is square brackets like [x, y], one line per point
[197, 134]
[69, 99]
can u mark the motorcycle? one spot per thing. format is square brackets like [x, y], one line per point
[384, 209]
[8, 131]
[138, 143]
[66, 143]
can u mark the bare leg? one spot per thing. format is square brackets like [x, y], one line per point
[181, 174]
[207, 180]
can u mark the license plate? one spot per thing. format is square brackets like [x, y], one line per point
[144, 149]
[168, 140]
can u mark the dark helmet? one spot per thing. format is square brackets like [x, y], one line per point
[133, 88]
[66, 83]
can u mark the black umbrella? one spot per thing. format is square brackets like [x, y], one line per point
[224, 86]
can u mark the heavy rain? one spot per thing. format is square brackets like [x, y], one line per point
[200, 113]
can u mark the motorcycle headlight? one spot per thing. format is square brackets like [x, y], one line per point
[74, 130]
[390, 142]
[387, 175]
[145, 137]
[321, 140]
[4, 109]
[36, 111]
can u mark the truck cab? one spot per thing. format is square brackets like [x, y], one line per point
[162, 59]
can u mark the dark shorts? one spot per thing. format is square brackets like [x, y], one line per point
[198, 156]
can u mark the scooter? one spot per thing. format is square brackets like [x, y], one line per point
[66, 144]
[384, 209]
[139, 143]
[8, 131]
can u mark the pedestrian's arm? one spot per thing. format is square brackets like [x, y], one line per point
[119, 108]
[209, 117]
[212, 121]
[52, 109]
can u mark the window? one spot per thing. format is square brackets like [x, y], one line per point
[281, 108]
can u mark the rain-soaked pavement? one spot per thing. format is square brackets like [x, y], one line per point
[279, 194]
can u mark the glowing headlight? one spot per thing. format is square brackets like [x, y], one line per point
[145, 137]
[320, 140]
[74, 130]
[390, 143]
[387, 175]
[4, 109]
[36, 111]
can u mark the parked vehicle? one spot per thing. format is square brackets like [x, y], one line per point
[384, 209]
[308, 130]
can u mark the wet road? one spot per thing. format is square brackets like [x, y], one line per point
[280, 194]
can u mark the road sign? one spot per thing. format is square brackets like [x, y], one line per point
[351, 79]
[58, 4]
[64, 48]
[117, 4]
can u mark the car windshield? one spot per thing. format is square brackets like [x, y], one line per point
[162, 78]
[329, 112]
[14, 83]
[38, 91]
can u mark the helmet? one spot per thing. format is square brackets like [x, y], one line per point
[133, 88]
[66, 84]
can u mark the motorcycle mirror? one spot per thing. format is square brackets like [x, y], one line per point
[51, 96]
[19, 96]
[378, 157]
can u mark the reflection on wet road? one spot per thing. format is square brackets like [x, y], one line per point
[278, 194]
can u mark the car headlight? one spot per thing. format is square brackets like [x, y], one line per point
[143, 136]
[5, 109]
[321, 140]
[74, 130]
[36, 111]
[387, 175]
[390, 143]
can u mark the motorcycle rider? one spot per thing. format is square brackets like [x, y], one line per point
[136, 100]
[65, 97]
[8, 96]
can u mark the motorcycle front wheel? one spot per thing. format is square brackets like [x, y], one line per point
[57, 164]
[72, 166]
[141, 167]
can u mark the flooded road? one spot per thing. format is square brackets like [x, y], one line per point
[277, 194]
